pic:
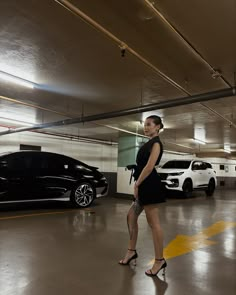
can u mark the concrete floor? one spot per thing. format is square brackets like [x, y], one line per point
[48, 249]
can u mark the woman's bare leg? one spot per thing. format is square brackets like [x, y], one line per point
[132, 223]
[157, 234]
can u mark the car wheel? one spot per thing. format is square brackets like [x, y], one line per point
[211, 188]
[187, 189]
[83, 195]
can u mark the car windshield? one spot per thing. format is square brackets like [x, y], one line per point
[177, 164]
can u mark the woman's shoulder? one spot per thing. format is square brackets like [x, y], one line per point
[155, 139]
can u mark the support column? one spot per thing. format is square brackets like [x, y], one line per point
[128, 146]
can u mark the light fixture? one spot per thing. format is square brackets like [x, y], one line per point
[176, 153]
[227, 150]
[199, 141]
[17, 80]
[199, 133]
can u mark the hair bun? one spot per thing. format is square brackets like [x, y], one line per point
[157, 120]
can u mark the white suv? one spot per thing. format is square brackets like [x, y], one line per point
[188, 175]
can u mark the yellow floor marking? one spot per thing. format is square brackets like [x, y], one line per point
[185, 244]
[38, 214]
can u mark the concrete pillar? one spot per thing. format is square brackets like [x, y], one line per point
[128, 146]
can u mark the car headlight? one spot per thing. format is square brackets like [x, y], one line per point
[176, 173]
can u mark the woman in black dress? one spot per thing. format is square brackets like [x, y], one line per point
[147, 193]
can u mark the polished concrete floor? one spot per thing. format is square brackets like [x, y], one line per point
[49, 248]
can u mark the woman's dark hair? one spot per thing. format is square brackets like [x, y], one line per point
[157, 120]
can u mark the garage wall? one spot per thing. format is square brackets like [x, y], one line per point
[226, 178]
[99, 155]
[105, 157]
[225, 169]
[123, 175]
[225, 172]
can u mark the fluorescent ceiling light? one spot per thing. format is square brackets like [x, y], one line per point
[12, 121]
[199, 141]
[17, 80]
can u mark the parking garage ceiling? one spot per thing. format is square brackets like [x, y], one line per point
[86, 58]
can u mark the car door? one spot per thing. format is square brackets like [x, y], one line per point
[203, 179]
[197, 174]
[4, 185]
[15, 177]
[206, 173]
[54, 176]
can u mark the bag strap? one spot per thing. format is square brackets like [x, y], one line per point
[132, 168]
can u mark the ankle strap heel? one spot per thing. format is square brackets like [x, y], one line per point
[164, 265]
[161, 259]
[133, 257]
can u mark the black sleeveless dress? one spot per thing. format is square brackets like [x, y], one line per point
[150, 191]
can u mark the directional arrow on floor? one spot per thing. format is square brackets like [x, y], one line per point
[185, 244]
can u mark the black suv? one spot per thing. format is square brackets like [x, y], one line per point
[34, 175]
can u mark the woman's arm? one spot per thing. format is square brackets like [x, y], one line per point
[148, 168]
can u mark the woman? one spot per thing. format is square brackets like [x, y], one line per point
[147, 194]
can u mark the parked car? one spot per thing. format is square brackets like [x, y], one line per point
[34, 175]
[188, 175]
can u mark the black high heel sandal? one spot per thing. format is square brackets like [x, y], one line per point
[164, 265]
[134, 257]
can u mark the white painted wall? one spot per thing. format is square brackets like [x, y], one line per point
[99, 155]
[102, 156]
[229, 170]
[229, 166]
[123, 176]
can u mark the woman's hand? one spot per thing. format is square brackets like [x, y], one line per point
[135, 191]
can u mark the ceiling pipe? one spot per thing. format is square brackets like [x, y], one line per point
[50, 111]
[69, 136]
[99, 141]
[77, 138]
[123, 46]
[32, 105]
[108, 126]
[145, 108]
[142, 135]
[231, 123]
[152, 5]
